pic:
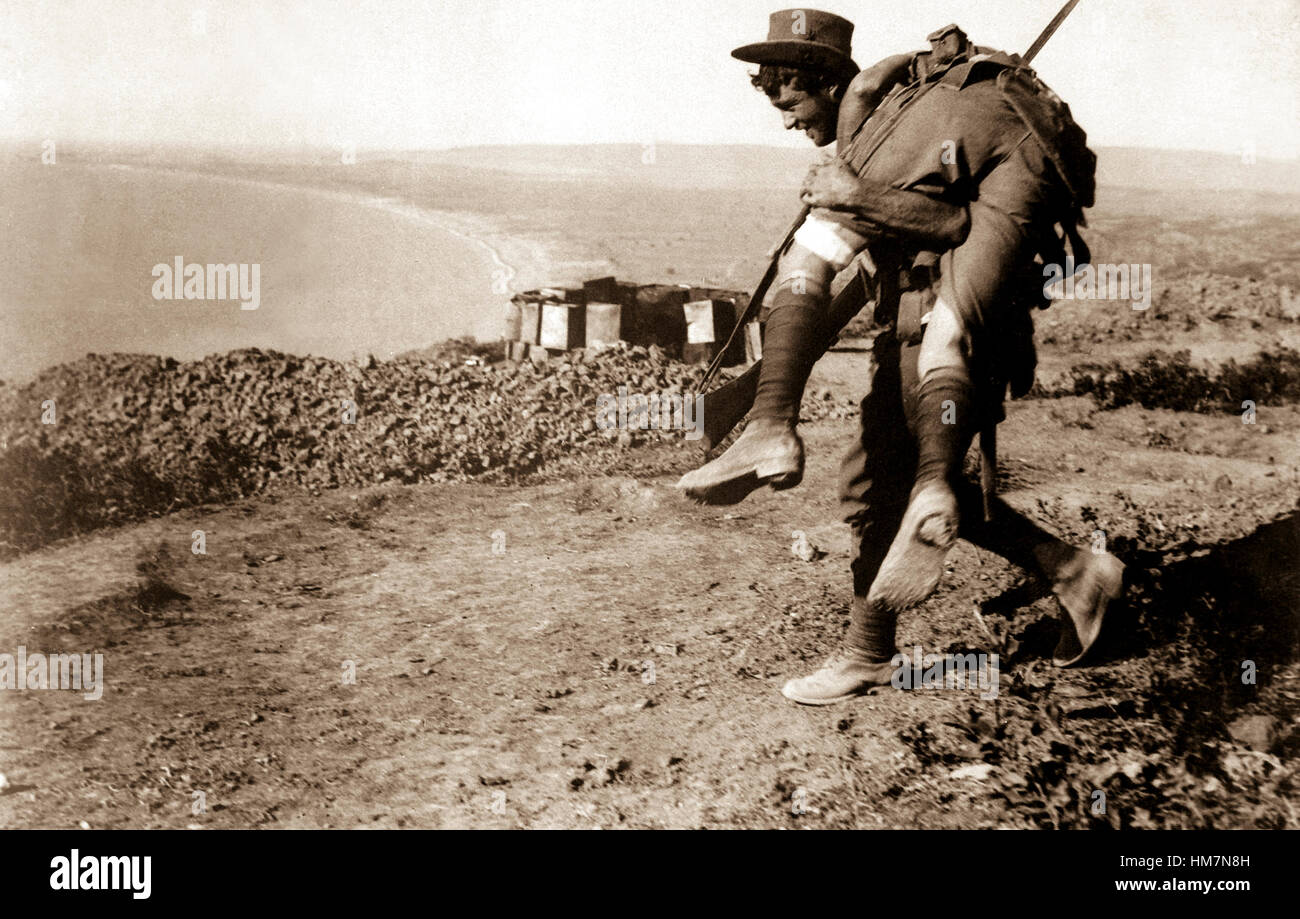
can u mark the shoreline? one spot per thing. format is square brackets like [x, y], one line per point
[414, 277]
[525, 262]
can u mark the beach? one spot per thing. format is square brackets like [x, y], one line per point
[343, 273]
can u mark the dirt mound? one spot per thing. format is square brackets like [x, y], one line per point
[112, 438]
[1178, 306]
[1172, 381]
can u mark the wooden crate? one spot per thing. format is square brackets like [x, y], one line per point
[604, 324]
[625, 293]
[517, 350]
[514, 320]
[657, 317]
[610, 290]
[708, 323]
[530, 320]
[601, 290]
[564, 326]
[712, 293]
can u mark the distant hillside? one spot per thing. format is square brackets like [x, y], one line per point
[678, 165]
[755, 166]
[697, 166]
[1182, 170]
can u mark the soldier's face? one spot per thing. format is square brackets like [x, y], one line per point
[813, 113]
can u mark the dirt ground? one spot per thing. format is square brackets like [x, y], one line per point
[598, 652]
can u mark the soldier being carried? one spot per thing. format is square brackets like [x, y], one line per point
[956, 167]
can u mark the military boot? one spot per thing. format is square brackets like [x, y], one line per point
[844, 675]
[768, 452]
[1086, 587]
[914, 564]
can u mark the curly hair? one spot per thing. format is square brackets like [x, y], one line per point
[771, 77]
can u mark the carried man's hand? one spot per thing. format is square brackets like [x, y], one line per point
[832, 184]
[925, 222]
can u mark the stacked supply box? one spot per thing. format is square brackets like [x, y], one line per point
[604, 324]
[524, 314]
[708, 323]
[753, 342]
[658, 318]
[610, 304]
[686, 322]
[564, 326]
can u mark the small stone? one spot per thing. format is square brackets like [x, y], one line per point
[1255, 731]
[977, 771]
[806, 550]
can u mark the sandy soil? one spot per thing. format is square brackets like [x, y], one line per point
[617, 660]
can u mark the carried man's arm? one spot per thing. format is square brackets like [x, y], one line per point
[869, 89]
[919, 220]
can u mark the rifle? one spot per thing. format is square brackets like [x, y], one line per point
[754, 305]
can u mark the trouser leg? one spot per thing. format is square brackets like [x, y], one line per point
[875, 478]
[1013, 536]
[769, 451]
[1086, 582]
[875, 475]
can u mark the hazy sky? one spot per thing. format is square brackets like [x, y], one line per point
[1192, 74]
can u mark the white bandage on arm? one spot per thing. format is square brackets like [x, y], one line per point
[832, 242]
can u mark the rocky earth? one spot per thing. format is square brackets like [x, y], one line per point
[563, 641]
[593, 650]
[111, 438]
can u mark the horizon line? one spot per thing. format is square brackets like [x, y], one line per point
[10, 142]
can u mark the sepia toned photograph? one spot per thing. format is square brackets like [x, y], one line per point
[592, 415]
